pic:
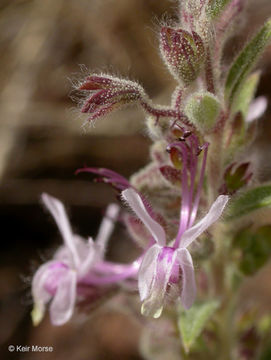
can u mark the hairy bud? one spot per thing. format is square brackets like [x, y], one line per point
[108, 93]
[236, 177]
[202, 109]
[183, 53]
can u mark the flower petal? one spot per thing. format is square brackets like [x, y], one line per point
[40, 295]
[146, 271]
[39, 290]
[107, 227]
[212, 216]
[91, 256]
[62, 306]
[188, 294]
[257, 108]
[59, 213]
[137, 205]
[154, 303]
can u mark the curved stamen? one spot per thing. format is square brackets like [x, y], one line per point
[185, 211]
[200, 184]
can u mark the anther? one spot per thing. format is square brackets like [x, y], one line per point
[187, 133]
[199, 150]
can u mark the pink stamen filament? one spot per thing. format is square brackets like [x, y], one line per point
[200, 185]
[184, 214]
[189, 206]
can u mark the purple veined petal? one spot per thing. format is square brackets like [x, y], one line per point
[257, 108]
[61, 308]
[188, 294]
[154, 303]
[137, 205]
[146, 271]
[212, 216]
[107, 227]
[59, 213]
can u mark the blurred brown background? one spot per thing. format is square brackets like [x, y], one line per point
[42, 142]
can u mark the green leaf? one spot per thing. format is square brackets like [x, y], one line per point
[202, 109]
[216, 7]
[255, 248]
[246, 60]
[246, 94]
[253, 199]
[191, 322]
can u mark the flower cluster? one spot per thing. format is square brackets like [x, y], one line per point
[163, 267]
[197, 163]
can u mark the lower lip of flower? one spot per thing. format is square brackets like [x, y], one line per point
[52, 282]
[166, 255]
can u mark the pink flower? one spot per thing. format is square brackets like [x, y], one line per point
[57, 280]
[166, 269]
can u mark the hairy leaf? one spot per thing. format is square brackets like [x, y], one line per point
[216, 7]
[255, 248]
[246, 60]
[192, 322]
[253, 199]
[246, 94]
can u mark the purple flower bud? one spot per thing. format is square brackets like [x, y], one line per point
[172, 175]
[183, 53]
[108, 93]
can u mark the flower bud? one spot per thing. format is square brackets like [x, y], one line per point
[108, 93]
[202, 110]
[171, 175]
[235, 177]
[183, 53]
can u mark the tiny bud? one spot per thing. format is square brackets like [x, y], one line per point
[202, 110]
[172, 175]
[236, 177]
[183, 53]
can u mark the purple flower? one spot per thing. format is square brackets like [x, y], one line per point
[168, 269]
[57, 280]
